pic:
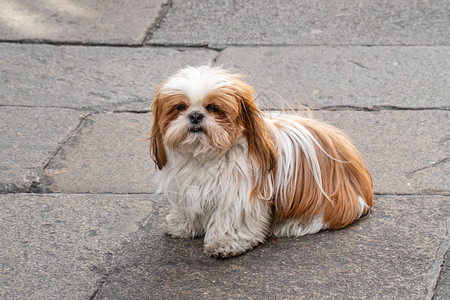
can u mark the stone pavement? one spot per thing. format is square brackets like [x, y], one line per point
[79, 215]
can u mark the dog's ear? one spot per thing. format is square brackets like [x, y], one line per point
[157, 151]
[261, 147]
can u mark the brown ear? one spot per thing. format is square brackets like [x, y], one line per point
[261, 147]
[157, 151]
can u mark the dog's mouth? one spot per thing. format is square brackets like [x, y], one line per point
[196, 129]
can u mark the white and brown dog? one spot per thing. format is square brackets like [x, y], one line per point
[236, 176]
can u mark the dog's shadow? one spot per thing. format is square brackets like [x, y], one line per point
[154, 261]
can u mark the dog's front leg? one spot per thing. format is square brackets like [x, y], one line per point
[182, 225]
[237, 229]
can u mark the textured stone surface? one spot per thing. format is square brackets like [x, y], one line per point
[85, 21]
[312, 22]
[29, 138]
[387, 255]
[108, 155]
[408, 77]
[99, 78]
[345, 55]
[443, 286]
[59, 246]
[405, 151]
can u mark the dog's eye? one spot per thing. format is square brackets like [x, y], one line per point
[212, 108]
[180, 107]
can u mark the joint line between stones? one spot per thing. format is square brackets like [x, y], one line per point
[68, 43]
[216, 58]
[155, 25]
[95, 293]
[70, 135]
[435, 271]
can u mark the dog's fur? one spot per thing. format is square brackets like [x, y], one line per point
[236, 176]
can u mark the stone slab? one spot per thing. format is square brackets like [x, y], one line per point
[443, 286]
[94, 78]
[361, 77]
[60, 246]
[85, 21]
[109, 154]
[313, 22]
[387, 255]
[29, 139]
[405, 151]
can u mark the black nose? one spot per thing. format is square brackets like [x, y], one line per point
[196, 117]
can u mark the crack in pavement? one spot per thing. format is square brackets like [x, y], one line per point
[70, 135]
[359, 64]
[46, 106]
[433, 165]
[155, 25]
[68, 43]
[216, 58]
[372, 108]
[435, 270]
[210, 46]
[117, 266]
[39, 183]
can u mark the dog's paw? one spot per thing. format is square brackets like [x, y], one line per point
[181, 232]
[176, 234]
[226, 248]
[177, 229]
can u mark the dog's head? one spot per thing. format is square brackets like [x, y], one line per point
[208, 109]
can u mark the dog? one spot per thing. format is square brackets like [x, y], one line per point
[235, 175]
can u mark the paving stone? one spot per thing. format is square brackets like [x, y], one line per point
[362, 77]
[384, 256]
[85, 21]
[29, 138]
[405, 151]
[313, 22]
[59, 246]
[443, 286]
[393, 143]
[108, 155]
[96, 78]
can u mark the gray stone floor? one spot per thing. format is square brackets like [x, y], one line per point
[79, 214]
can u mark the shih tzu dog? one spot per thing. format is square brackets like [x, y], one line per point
[235, 175]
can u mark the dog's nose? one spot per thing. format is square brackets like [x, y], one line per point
[196, 117]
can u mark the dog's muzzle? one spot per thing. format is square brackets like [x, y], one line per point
[196, 119]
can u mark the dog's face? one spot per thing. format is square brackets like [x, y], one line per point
[200, 107]
[207, 108]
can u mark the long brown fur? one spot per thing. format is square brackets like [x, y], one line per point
[260, 144]
[261, 148]
[157, 151]
[344, 178]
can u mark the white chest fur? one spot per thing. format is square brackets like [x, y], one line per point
[199, 184]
